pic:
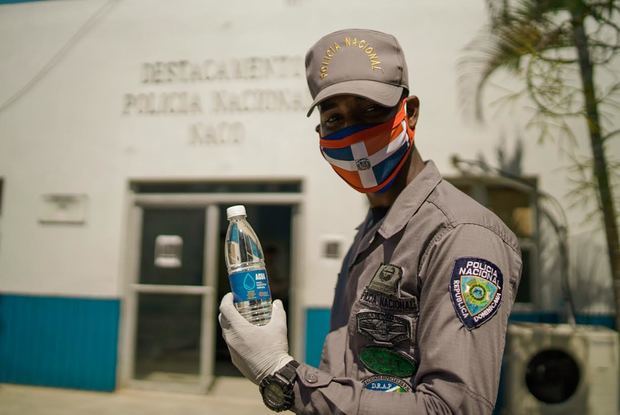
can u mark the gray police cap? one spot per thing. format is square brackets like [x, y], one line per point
[360, 62]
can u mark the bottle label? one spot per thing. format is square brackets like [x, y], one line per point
[249, 285]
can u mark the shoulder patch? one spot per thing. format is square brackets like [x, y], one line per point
[476, 290]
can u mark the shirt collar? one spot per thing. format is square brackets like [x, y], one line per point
[410, 199]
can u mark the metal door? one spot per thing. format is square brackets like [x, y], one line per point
[171, 298]
[169, 316]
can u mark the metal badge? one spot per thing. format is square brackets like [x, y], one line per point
[384, 328]
[363, 164]
[385, 361]
[384, 383]
[386, 279]
[476, 290]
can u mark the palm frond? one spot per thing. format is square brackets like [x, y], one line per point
[506, 46]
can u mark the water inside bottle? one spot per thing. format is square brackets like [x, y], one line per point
[244, 257]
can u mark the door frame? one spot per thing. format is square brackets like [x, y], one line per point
[210, 202]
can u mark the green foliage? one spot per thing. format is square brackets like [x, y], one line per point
[533, 41]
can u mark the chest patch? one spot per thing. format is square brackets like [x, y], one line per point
[383, 291]
[383, 328]
[476, 290]
[385, 361]
[385, 383]
[386, 279]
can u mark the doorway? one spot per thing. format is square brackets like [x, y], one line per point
[177, 276]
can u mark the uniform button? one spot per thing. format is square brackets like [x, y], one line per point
[312, 377]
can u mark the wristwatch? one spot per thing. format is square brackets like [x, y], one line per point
[277, 389]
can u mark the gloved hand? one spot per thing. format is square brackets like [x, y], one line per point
[257, 351]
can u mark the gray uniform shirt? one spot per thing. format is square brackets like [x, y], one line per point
[420, 310]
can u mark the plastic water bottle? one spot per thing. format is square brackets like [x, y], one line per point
[246, 268]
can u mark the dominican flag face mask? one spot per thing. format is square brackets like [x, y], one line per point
[368, 157]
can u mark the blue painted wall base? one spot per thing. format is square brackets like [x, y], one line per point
[317, 327]
[59, 341]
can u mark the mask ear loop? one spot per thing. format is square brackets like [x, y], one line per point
[407, 115]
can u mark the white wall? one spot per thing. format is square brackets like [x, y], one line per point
[70, 132]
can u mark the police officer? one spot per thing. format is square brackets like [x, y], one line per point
[422, 301]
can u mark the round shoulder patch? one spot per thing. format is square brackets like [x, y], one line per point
[476, 290]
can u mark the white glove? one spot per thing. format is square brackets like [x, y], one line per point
[257, 351]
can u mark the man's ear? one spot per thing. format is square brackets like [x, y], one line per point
[413, 110]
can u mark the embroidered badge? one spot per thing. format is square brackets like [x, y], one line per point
[476, 290]
[406, 305]
[385, 361]
[383, 328]
[383, 383]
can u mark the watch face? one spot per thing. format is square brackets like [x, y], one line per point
[274, 393]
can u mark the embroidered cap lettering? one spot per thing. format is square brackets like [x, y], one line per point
[476, 290]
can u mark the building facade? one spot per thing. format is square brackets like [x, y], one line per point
[127, 128]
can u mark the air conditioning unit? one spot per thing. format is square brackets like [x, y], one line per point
[561, 369]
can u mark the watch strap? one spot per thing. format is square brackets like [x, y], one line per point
[289, 371]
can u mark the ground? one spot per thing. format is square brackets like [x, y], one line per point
[229, 396]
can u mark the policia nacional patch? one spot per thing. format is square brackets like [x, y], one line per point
[476, 290]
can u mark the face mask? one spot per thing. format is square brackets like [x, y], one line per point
[369, 157]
